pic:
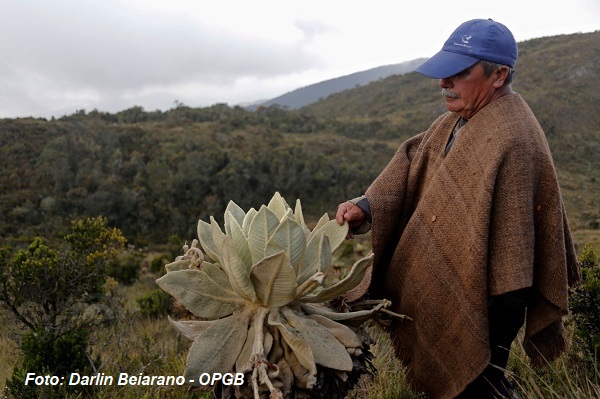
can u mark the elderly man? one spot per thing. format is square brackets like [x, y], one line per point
[468, 228]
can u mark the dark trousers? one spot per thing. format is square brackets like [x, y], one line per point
[506, 316]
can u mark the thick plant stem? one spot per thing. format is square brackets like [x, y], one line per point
[258, 349]
[258, 353]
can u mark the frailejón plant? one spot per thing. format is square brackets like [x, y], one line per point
[259, 289]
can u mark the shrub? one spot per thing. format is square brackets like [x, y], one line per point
[44, 353]
[125, 268]
[158, 264]
[157, 303]
[585, 304]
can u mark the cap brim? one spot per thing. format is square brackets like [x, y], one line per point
[445, 64]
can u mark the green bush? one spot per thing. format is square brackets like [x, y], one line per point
[155, 304]
[158, 264]
[125, 268]
[585, 304]
[46, 354]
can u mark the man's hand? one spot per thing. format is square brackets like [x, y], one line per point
[347, 211]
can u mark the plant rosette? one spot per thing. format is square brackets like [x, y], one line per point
[259, 289]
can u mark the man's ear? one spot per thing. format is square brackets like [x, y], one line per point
[500, 76]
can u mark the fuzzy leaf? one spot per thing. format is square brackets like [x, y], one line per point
[217, 275]
[299, 217]
[233, 213]
[205, 235]
[316, 258]
[248, 219]
[278, 205]
[324, 219]
[199, 293]
[180, 264]
[327, 350]
[274, 280]
[217, 233]
[262, 226]
[289, 237]
[240, 243]
[355, 318]
[336, 233]
[242, 363]
[342, 333]
[217, 348]
[236, 270]
[191, 328]
[352, 279]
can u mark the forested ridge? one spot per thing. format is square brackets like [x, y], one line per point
[153, 174]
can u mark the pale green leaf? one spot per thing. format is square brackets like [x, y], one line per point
[342, 333]
[236, 270]
[324, 219]
[352, 279]
[240, 243]
[289, 237]
[274, 280]
[217, 274]
[299, 217]
[191, 328]
[248, 219]
[327, 350]
[356, 317]
[278, 205]
[242, 363]
[217, 233]
[336, 233]
[199, 293]
[317, 257]
[217, 348]
[180, 264]
[233, 212]
[262, 226]
[205, 235]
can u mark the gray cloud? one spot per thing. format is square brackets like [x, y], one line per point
[81, 52]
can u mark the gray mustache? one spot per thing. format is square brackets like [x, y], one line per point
[450, 94]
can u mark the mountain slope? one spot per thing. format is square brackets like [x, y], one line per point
[153, 174]
[313, 93]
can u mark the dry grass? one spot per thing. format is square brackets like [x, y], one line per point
[390, 380]
[10, 354]
[150, 346]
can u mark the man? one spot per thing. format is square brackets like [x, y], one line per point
[468, 228]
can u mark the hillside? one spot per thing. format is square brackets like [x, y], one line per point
[153, 174]
[310, 94]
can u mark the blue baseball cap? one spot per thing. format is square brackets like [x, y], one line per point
[472, 41]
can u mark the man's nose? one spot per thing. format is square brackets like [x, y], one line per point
[445, 83]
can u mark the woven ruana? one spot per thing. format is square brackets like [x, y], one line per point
[449, 231]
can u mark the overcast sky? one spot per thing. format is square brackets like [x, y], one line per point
[60, 56]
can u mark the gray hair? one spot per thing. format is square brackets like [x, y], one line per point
[489, 67]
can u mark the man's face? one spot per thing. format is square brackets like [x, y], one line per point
[468, 91]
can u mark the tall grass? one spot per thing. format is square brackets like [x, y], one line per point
[390, 380]
[569, 377]
[151, 346]
[10, 354]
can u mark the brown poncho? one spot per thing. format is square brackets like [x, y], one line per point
[449, 231]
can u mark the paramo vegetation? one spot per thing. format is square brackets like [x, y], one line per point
[151, 175]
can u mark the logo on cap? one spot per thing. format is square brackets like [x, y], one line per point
[466, 38]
